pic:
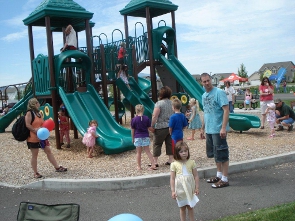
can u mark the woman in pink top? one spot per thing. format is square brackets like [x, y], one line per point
[266, 90]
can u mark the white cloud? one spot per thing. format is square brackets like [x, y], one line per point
[212, 36]
[15, 36]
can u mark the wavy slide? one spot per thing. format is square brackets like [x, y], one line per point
[136, 95]
[144, 84]
[16, 110]
[239, 122]
[85, 106]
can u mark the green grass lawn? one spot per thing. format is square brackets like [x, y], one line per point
[284, 212]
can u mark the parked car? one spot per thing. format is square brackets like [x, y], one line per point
[10, 105]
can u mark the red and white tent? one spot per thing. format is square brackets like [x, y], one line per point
[233, 77]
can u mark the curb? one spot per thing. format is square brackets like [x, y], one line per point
[152, 181]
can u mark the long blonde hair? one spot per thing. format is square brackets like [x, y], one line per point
[195, 103]
[32, 105]
[139, 109]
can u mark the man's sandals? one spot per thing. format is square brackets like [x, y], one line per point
[220, 184]
[217, 182]
[213, 180]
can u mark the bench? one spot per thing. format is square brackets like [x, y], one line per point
[239, 101]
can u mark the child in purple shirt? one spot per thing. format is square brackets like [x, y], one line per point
[140, 126]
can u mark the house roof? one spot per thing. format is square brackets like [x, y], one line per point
[254, 76]
[286, 64]
[137, 8]
[61, 13]
[220, 75]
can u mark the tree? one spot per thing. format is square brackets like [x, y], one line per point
[242, 71]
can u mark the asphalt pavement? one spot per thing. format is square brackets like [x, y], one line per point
[248, 191]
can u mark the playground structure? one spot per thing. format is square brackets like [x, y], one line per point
[4, 94]
[74, 77]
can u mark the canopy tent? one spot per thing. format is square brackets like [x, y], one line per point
[233, 77]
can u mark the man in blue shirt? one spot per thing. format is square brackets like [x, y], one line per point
[216, 115]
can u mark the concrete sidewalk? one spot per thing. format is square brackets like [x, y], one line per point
[152, 180]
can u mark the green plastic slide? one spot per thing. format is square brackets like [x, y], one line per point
[85, 106]
[15, 111]
[136, 95]
[144, 84]
[239, 122]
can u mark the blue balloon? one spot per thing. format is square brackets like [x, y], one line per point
[125, 217]
[43, 133]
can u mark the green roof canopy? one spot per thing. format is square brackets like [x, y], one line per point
[61, 13]
[136, 8]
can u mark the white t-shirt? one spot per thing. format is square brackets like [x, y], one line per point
[229, 92]
[71, 39]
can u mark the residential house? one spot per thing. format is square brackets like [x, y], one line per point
[219, 76]
[254, 79]
[274, 67]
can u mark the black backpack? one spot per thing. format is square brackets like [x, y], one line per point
[19, 130]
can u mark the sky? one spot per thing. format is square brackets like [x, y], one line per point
[213, 36]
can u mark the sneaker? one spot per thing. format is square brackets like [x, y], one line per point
[68, 145]
[280, 128]
[290, 128]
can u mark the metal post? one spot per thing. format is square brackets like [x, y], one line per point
[152, 65]
[52, 80]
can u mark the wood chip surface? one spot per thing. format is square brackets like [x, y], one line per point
[16, 169]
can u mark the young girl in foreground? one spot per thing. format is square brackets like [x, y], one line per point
[184, 181]
[140, 125]
[90, 137]
[194, 121]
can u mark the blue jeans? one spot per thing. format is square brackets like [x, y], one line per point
[231, 107]
[286, 121]
[217, 148]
